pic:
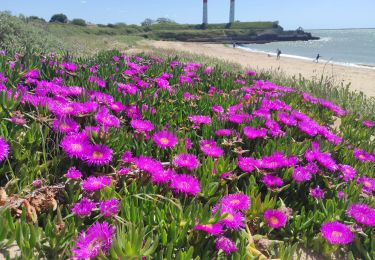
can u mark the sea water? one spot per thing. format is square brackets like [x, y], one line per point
[352, 47]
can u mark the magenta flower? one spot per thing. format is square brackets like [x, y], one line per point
[148, 164]
[254, 133]
[212, 229]
[368, 184]
[165, 139]
[301, 174]
[210, 148]
[142, 126]
[103, 118]
[65, 125]
[75, 145]
[348, 172]
[363, 155]
[98, 155]
[109, 208]
[73, 173]
[162, 176]
[237, 201]
[336, 233]
[69, 66]
[225, 244]
[276, 161]
[186, 184]
[188, 161]
[96, 239]
[83, 207]
[272, 181]
[199, 120]
[362, 214]
[217, 109]
[368, 123]
[233, 220]
[223, 132]
[127, 157]
[92, 184]
[275, 218]
[4, 149]
[317, 193]
[247, 164]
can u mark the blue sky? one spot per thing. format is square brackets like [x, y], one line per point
[291, 13]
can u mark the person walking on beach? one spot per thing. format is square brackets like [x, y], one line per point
[278, 54]
[317, 58]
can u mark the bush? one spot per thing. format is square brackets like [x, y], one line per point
[79, 22]
[59, 18]
[15, 34]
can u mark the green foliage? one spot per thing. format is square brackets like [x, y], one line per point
[79, 22]
[59, 18]
[17, 35]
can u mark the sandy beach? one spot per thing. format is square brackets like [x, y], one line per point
[361, 79]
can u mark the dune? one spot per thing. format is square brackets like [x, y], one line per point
[361, 79]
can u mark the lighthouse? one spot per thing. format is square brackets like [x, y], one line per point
[205, 11]
[231, 12]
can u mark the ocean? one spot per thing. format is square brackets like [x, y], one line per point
[352, 47]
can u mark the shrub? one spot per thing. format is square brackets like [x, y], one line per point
[79, 22]
[59, 18]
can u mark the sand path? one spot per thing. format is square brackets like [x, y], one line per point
[361, 79]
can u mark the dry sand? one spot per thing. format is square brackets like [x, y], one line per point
[361, 79]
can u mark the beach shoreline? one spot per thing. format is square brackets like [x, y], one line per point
[361, 78]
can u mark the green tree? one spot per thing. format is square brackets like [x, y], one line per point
[79, 22]
[59, 18]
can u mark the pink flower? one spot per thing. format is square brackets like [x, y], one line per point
[225, 244]
[142, 126]
[182, 183]
[275, 218]
[98, 155]
[73, 173]
[253, 133]
[4, 149]
[83, 207]
[272, 181]
[212, 229]
[188, 161]
[92, 184]
[96, 239]
[109, 208]
[237, 201]
[336, 233]
[210, 148]
[148, 164]
[165, 139]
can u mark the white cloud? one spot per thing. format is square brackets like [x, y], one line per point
[83, 2]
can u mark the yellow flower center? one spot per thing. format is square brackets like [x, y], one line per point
[274, 220]
[367, 184]
[336, 234]
[164, 140]
[235, 202]
[97, 155]
[229, 217]
[77, 147]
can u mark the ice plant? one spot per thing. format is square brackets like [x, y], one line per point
[225, 244]
[368, 184]
[83, 207]
[272, 181]
[188, 161]
[212, 229]
[4, 149]
[92, 184]
[73, 173]
[210, 148]
[185, 184]
[336, 233]
[148, 164]
[98, 155]
[362, 214]
[109, 207]
[275, 218]
[237, 201]
[142, 126]
[96, 239]
[165, 139]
